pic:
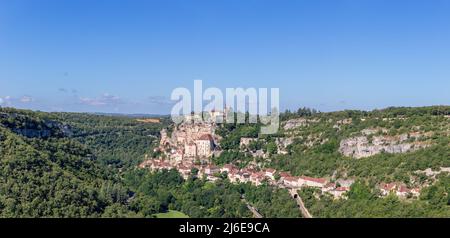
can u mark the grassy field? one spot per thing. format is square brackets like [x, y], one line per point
[172, 214]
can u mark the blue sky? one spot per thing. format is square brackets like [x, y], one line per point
[128, 56]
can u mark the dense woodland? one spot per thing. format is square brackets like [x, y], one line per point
[84, 165]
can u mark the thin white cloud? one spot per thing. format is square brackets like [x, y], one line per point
[160, 100]
[14, 101]
[26, 99]
[104, 100]
[6, 100]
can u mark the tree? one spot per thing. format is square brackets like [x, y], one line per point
[272, 148]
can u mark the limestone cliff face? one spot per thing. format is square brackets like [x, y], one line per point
[361, 147]
[298, 122]
[49, 128]
[32, 128]
[283, 143]
[33, 133]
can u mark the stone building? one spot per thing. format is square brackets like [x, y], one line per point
[312, 182]
[165, 140]
[194, 140]
[205, 145]
[190, 150]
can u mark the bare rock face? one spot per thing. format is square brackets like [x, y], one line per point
[361, 147]
[33, 133]
[62, 129]
[48, 129]
[282, 143]
[371, 131]
[298, 122]
[245, 141]
[31, 128]
[294, 123]
[432, 173]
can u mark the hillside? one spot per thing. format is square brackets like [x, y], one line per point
[397, 141]
[83, 165]
[117, 141]
[405, 147]
[45, 174]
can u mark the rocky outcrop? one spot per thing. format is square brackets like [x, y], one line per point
[339, 123]
[245, 141]
[34, 128]
[298, 122]
[50, 128]
[59, 128]
[282, 144]
[361, 146]
[432, 173]
[33, 133]
[371, 131]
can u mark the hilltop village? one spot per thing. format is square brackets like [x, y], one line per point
[189, 147]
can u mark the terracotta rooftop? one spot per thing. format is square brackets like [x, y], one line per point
[270, 170]
[343, 189]
[317, 180]
[257, 175]
[229, 166]
[388, 186]
[210, 166]
[403, 189]
[330, 185]
[285, 174]
[182, 167]
[291, 179]
[233, 172]
[206, 137]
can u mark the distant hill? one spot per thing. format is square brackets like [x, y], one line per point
[136, 115]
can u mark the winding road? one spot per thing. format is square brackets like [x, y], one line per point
[255, 212]
[301, 205]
